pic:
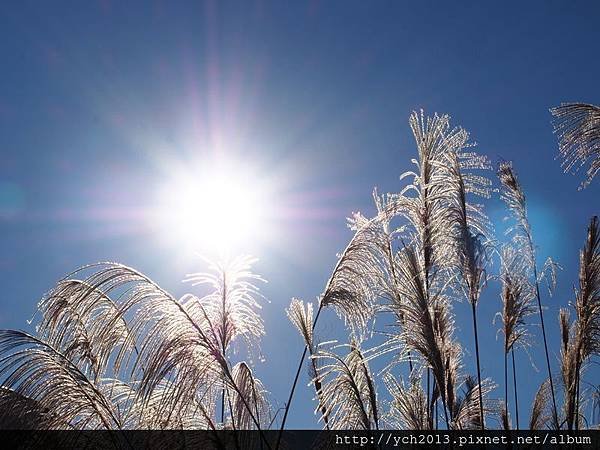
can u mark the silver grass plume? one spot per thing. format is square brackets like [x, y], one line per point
[568, 359]
[517, 298]
[302, 318]
[470, 233]
[577, 126]
[513, 196]
[587, 303]
[467, 414]
[408, 407]
[469, 224]
[426, 210]
[541, 415]
[254, 395]
[586, 332]
[517, 304]
[85, 324]
[39, 373]
[348, 389]
[358, 279]
[429, 325]
[359, 276]
[117, 351]
[232, 304]
[423, 266]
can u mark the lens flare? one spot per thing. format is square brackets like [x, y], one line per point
[217, 210]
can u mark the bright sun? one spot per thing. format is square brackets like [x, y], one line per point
[216, 209]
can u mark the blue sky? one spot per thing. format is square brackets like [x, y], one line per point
[99, 100]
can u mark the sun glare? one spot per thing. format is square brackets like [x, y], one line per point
[215, 210]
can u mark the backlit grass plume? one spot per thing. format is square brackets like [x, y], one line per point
[517, 304]
[577, 126]
[349, 394]
[541, 415]
[409, 405]
[581, 340]
[357, 281]
[471, 234]
[116, 351]
[513, 196]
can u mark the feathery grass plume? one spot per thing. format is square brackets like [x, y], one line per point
[427, 211]
[586, 328]
[348, 389]
[302, 318]
[513, 196]
[424, 204]
[541, 416]
[517, 304]
[39, 373]
[588, 295]
[359, 277]
[517, 298]
[117, 351]
[254, 395]
[231, 307]
[232, 304]
[467, 409]
[568, 356]
[357, 280]
[470, 232]
[163, 340]
[408, 408]
[429, 326]
[577, 126]
[85, 324]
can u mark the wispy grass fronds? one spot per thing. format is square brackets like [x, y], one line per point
[359, 277]
[232, 304]
[517, 304]
[250, 392]
[586, 329]
[408, 407]
[470, 230]
[429, 325]
[85, 324]
[517, 298]
[349, 389]
[568, 367]
[587, 303]
[467, 409]
[423, 266]
[513, 196]
[577, 126]
[541, 414]
[302, 318]
[40, 373]
[117, 351]
[423, 202]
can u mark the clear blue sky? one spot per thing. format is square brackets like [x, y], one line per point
[98, 98]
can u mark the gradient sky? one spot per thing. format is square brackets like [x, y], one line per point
[99, 101]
